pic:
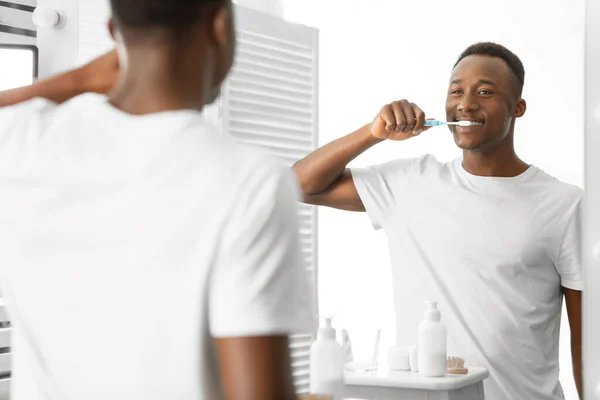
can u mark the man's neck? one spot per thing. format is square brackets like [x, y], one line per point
[140, 100]
[499, 163]
[156, 82]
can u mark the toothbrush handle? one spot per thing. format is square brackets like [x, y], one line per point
[430, 122]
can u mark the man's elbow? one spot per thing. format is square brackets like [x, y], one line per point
[306, 187]
[310, 199]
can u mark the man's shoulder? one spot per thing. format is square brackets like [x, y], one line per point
[247, 167]
[20, 123]
[37, 103]
[247, 157]
[258, 164]
[41, 110]
[26, 110]
[554, 187]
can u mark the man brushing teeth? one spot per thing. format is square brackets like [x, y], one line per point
[493, 239]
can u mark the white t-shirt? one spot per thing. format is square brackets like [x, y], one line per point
[493, 251]
[128, 242]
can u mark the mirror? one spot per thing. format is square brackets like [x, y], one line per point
[18, 65]
[374, 52]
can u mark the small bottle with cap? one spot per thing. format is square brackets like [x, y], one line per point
[432, 343]
[327, 360]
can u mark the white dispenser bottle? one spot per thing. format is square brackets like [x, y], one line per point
[432, 343]
[327, 361]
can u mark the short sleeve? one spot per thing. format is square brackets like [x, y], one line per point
[568, 262]
[259, 286]
[378, 186]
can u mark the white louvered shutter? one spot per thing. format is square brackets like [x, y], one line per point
[270, 100]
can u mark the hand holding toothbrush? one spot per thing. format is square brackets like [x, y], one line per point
[402, 120]
[399, 120]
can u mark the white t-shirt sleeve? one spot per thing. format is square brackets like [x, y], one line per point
[259, 286]
[568, 261]
[379, 185]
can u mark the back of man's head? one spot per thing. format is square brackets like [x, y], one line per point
[166, 15]
[499, 51]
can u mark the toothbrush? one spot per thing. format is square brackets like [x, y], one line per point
[459, 123]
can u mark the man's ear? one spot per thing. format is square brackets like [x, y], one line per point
[112, 29]
[221, 28]
[520, 108]
[118, 42]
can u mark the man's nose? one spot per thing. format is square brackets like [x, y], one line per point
[468, 104]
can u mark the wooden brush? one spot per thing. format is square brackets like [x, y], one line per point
[456, 365]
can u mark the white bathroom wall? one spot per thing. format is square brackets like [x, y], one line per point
[377, 51]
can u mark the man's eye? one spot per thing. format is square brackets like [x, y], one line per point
[485, 92]
[456, 91]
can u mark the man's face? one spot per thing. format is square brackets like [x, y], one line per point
[482, 89]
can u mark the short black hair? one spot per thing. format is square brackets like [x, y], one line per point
[173, 15]
[497, 50]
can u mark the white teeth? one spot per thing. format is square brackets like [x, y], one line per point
[468, 123]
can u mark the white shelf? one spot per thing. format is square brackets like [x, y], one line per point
[412, 380]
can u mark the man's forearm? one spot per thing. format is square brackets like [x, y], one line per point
[57, 89]
[577, 366]
[573, 303]
[317, 171]
[98, 76]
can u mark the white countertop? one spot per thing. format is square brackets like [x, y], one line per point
[412, 380]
